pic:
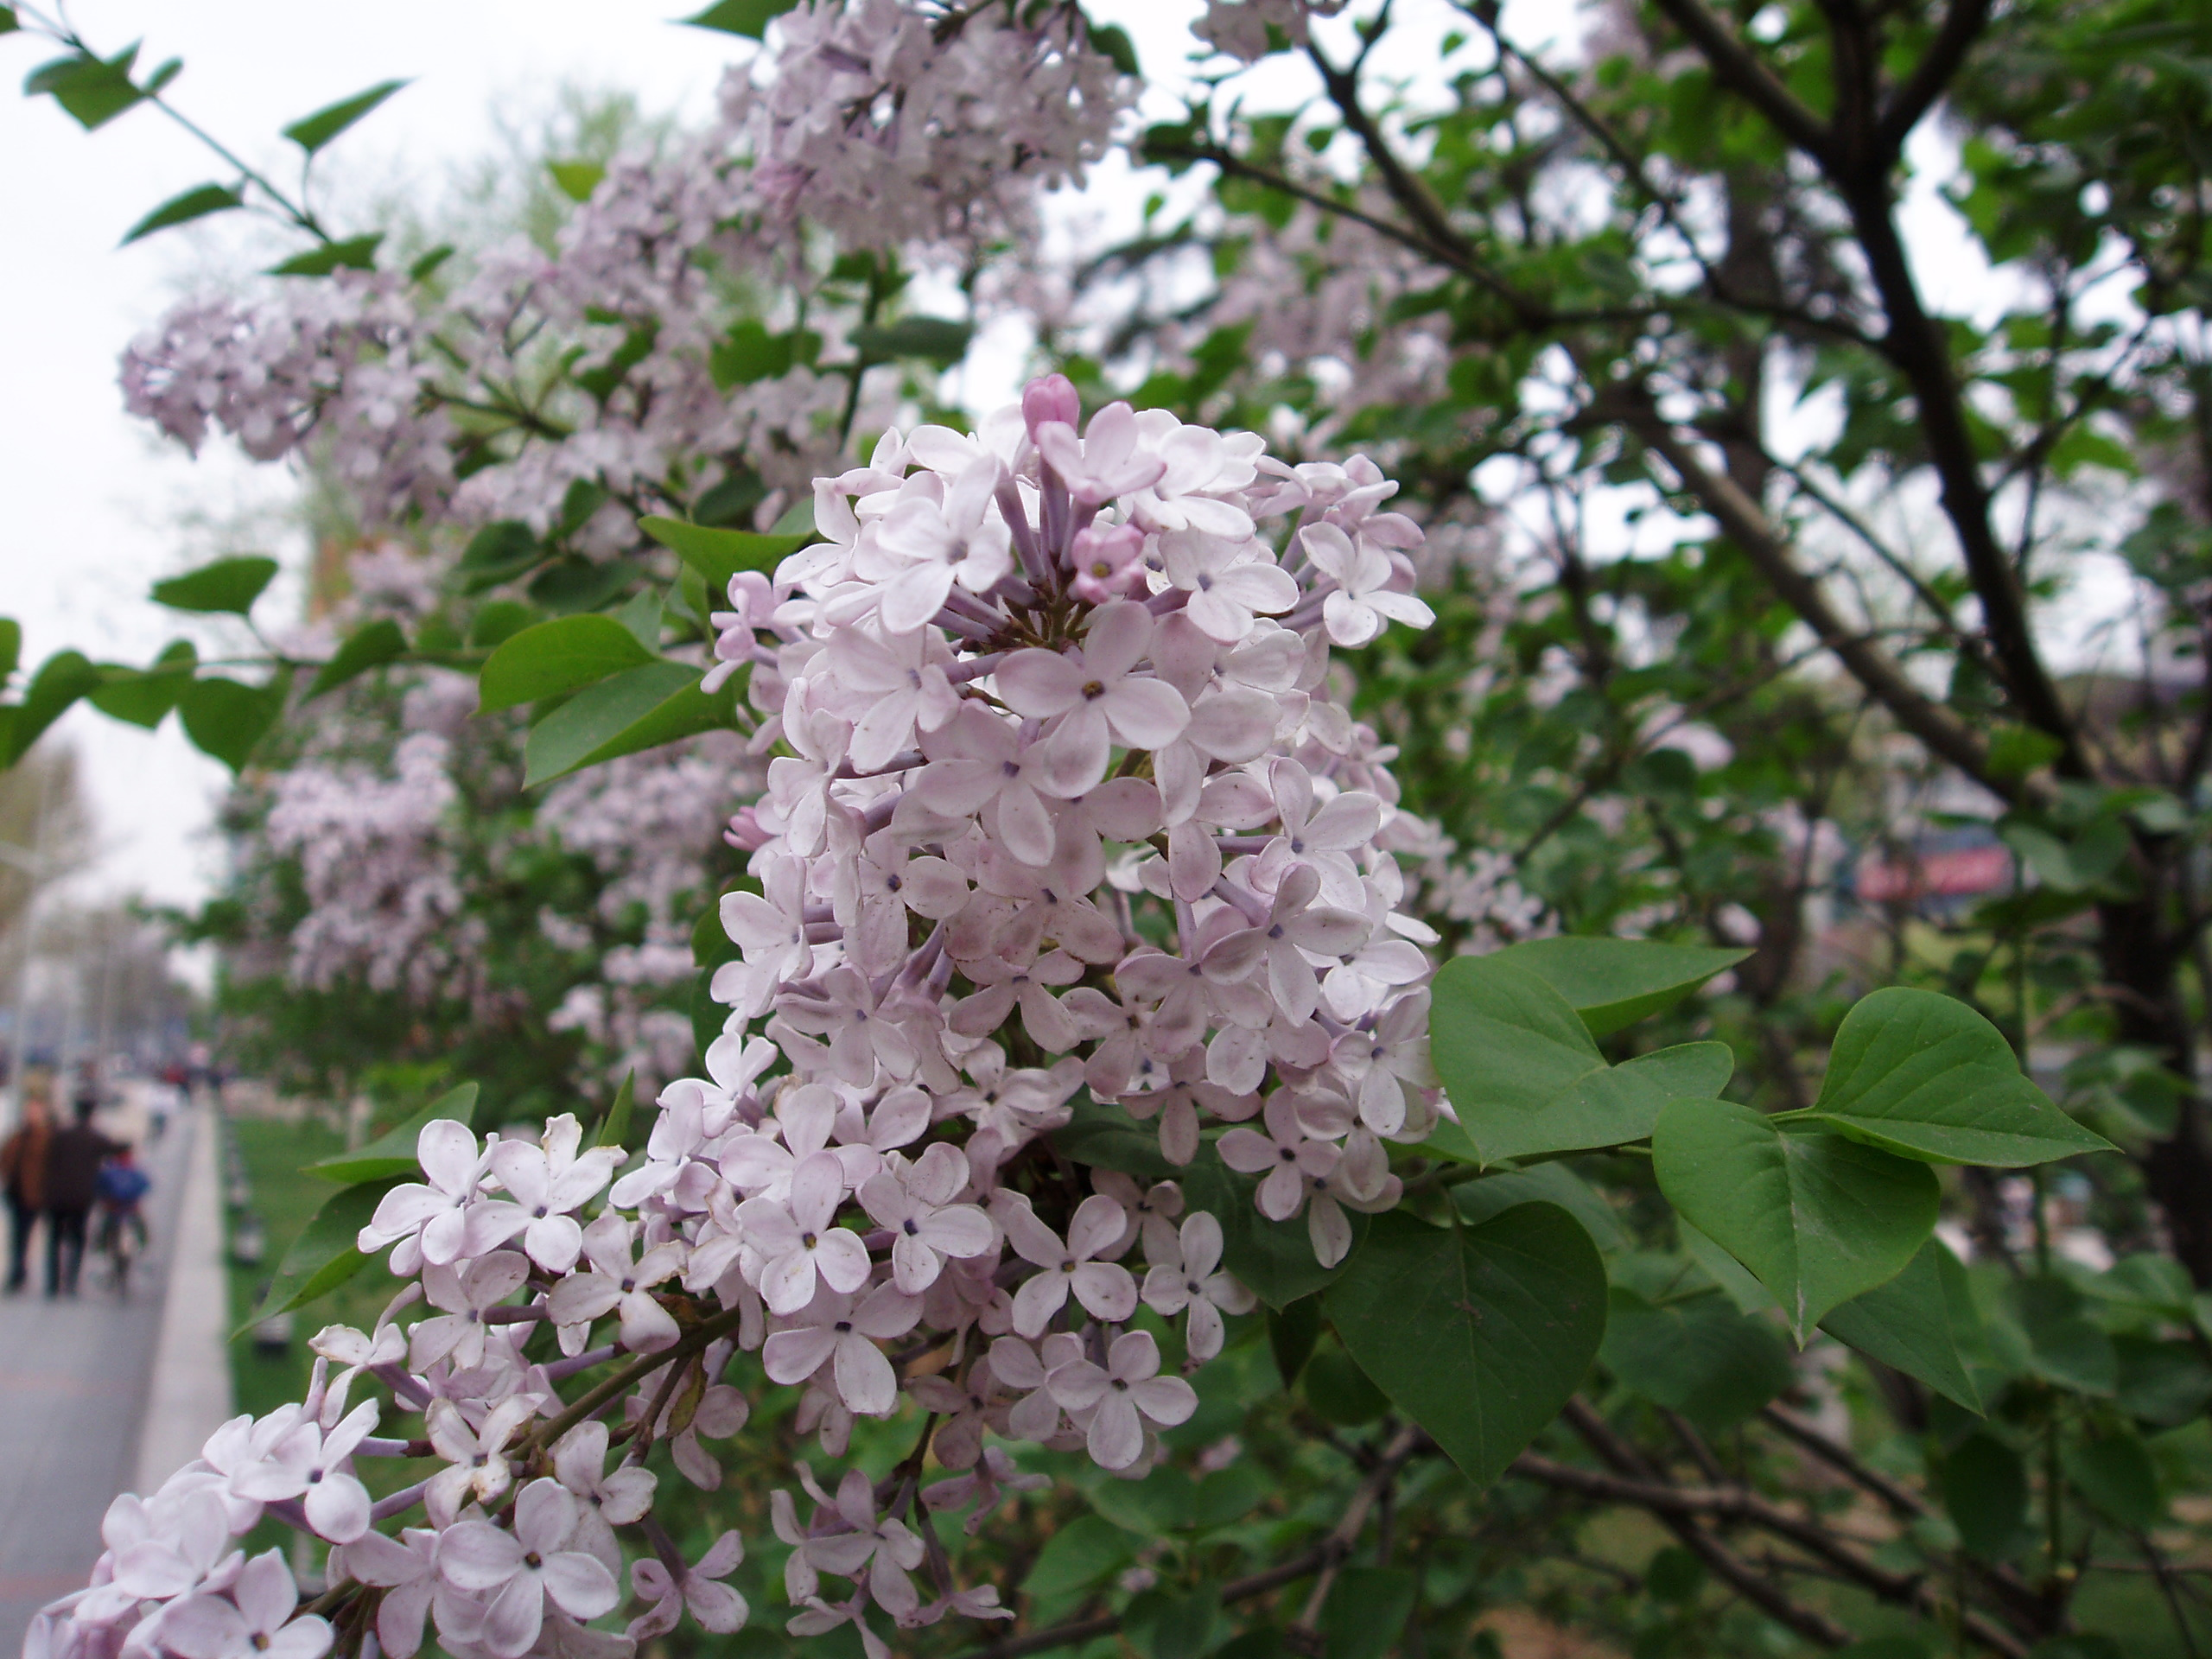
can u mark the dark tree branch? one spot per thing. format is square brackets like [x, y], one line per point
[1405, 186]
[1851, 158]
[1946, 620]
[1740, 1504]
[1237, 167]
[1076, 1632]
[1407, 1443]
[1723, 1562]
[1946, 53]
[2008, 1585]
[1902, 1500]
[1741, 518]
[1735, 65]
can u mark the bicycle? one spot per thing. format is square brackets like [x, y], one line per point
[121, 1242]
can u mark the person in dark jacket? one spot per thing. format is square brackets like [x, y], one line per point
[22, 1168]
[73, 1175]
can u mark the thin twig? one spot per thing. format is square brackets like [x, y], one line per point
[1407, 1443]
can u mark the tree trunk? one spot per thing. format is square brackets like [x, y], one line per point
[2141, 962]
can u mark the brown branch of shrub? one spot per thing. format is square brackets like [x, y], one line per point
[1636, 1482]
[2018, 1594]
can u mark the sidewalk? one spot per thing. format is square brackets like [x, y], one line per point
[76, 1379]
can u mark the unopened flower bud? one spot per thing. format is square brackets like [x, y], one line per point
[1049, 397]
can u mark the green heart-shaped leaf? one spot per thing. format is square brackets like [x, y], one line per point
[1923, 1323]
[1525, 1076]
[1615, 982]
[1479, 1334]
[1926, 1075]
[1818, 1218]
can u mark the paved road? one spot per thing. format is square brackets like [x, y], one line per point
[73, 1391]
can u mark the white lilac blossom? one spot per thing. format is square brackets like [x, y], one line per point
[885, 123]
[1021, 892]
[889, 121]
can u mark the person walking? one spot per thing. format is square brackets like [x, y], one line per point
[22, 1169]
[74, 1157]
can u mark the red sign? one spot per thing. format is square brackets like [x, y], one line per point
[1958, 872]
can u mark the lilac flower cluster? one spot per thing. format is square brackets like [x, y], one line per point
[886, 122]
[1066, 810]
[1249, 29]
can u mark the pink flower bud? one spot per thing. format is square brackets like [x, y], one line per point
[1049, 397]
[745, 832]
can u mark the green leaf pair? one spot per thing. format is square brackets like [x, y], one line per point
[94, 90]
[1520, 1061]
[144, 697]
[621, 694]
[1827, 1205]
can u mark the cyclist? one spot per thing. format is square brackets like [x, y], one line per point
[123, 1189]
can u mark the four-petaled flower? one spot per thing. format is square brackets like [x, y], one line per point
[881, 1548]
[1095, 695]
[253, 1622]
[1124, 1396]
[917, 1206]
[1185, 1280]
[521, 1570]
[835, 1332]
[617, 1282]
[1286, 1158]
[1103, 1287]
[428, 1220]
[797, 1239]
[476, 1462]
[545, 1185]
[305, 1462]
[718, 1609]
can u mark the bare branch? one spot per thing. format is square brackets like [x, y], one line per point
[1076, 1632]
[1735, 65]
[1408, 1442]
[1405, 186]
[1962, 26]
[1723, 1562]
[1746, 524]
